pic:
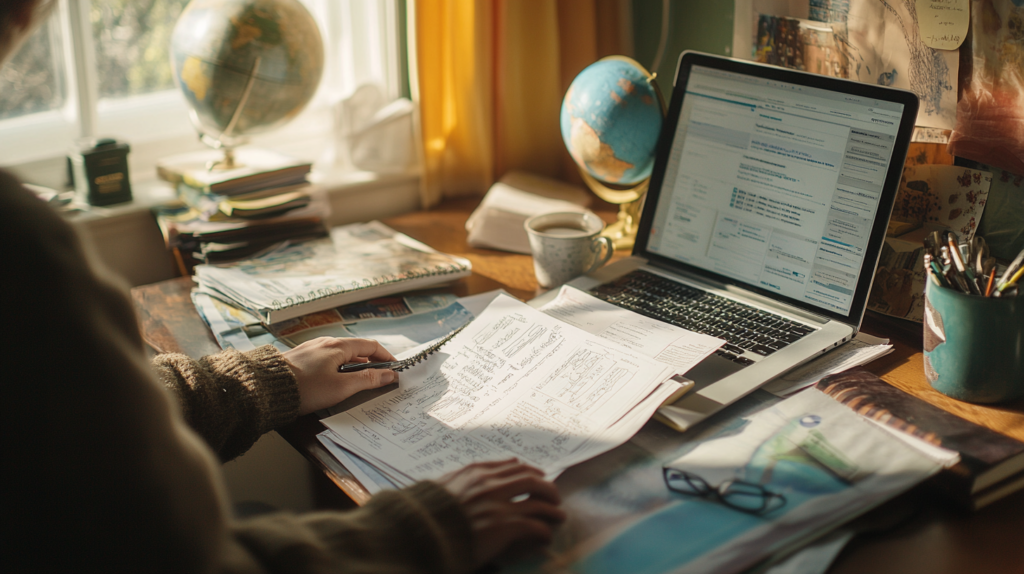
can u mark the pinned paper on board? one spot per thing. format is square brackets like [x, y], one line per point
[871, 41]
[944, 195]
[938, 197]
[943, 23]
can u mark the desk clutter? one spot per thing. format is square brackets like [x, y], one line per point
[556, 387]
[225, 215]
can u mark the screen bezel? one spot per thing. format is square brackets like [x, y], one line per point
[892, 179]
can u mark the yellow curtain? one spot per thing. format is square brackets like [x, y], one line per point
[489, 76]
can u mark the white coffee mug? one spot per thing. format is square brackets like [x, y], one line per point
[566, 245]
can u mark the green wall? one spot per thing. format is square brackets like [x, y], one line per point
[704, 25]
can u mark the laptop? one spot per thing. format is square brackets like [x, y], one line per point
[767, 209]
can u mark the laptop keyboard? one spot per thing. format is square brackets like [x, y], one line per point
[745, 328]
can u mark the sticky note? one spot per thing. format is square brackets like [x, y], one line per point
[943, 23]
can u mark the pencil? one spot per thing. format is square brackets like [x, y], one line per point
[991, 282]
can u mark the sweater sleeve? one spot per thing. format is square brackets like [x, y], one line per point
[418, 529]
[233, 397]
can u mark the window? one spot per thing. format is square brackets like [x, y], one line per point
[100, 68]
[33, 81]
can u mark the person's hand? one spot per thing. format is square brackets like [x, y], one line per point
[508, 503]
[315, 365]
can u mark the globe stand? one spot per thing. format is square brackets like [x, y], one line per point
[630, 201]
[225, 141]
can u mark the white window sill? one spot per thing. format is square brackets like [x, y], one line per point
[129, 242]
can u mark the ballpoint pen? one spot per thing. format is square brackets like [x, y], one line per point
[934, 271]
[991, 282]
[353, 367]
[964, 274]
[404, 363]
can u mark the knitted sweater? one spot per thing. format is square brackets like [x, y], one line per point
[103, 473]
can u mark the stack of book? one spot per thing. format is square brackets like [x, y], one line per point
[357, 262]
[228, 214]
[990, 465]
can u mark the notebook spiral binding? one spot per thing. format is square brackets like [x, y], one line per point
[422, 355]
[442, 269]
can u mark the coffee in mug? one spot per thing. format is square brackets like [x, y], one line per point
[566, 245]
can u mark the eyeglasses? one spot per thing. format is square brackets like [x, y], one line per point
[736, 494]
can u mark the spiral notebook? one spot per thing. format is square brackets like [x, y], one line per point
[357, 262]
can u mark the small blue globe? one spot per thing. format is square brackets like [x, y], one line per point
[611, 117]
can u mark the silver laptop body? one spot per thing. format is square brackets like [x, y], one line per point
[771, 188]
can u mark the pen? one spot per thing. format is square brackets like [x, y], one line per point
[934, 271]
[353, 367]
[965, 277]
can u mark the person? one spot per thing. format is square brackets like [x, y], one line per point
[112, 459]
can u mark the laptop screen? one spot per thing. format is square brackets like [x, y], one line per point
[775, 185]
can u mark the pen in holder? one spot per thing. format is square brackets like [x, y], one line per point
[973, 346]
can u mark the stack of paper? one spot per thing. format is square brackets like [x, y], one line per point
[521, 382]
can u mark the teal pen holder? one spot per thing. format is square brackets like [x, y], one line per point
[974, 346]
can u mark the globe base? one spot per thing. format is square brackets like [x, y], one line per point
[629, 198]
[623, 232]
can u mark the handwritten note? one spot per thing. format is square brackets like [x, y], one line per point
[943, 23]
[516, 382]
[676, 346]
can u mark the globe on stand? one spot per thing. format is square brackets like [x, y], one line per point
[611, 119]
[245, 67]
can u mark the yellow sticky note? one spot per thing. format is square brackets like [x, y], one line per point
[943, 23]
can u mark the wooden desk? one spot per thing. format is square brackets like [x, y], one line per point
[933, 539]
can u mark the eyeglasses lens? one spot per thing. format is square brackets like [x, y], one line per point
[686, 483]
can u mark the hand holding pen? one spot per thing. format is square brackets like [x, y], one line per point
[315, 367]
[396, 365]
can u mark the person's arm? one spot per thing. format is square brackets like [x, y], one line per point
[233, 397]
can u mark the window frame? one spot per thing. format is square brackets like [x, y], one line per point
[36, 143]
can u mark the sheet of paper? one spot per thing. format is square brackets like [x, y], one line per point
[516, 382]
[948, 196]
[943, 23]
[368, 476]
[476, 304]
[861, 350]
[874, 41]
[886, 47]
[673, 345]
[623, 429]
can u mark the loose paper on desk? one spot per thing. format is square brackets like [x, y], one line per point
[861, 350]
[515, 382]
[674, 345]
